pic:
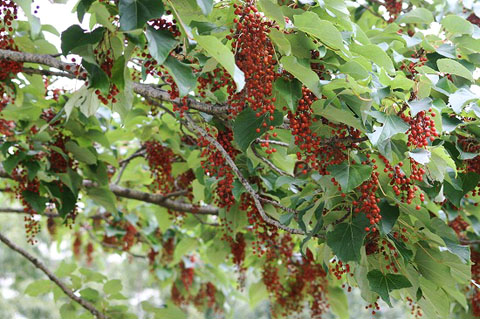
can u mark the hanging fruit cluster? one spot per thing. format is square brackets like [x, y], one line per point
[160, 159]
[394, 8]
[254, 56]
[216, 165]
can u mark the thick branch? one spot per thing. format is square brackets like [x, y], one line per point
[157, 199]
[69, 68]
[38, 264]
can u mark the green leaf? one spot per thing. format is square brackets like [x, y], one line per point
[257, 293]
[457, 25]
[449, 123]
[90, 294]
[392, 125]
[104, 197]
[323, 30]
[160, 44]
[302, 73]
[246, 124]
[337, 115]
[112, 287]
[65, 269]
[384, 284]
[80, 153]
[135, 13]
[429, 263]
[439, 163]
[85, 99]
[376, 55]
[206, 6]
[338, 302]
[223, 55]
[417, 15]
[272, 11]
[346, 239]
[38, 287]
[289, 90]
[281, 41]
[420, 155]
[12, 161]
[350, 176]
[75, 36]
[36, 201]
[419, 105]
[459, 98]
[453, 67]
[182, 74]
[389, 216]
[97, 78]
[185, 246]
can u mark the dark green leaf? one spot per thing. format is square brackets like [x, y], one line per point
[160, 44]
[346, 239]
[97, 78]
[135, 13]
[182, 74]
[75, 37]
[349, 176]
[246, 124]
[289, 91]
[36, 201]
[303, 73]
[80, 153]
[389, 216]
[384, 284]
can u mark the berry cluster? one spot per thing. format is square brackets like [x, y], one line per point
[8, 14]
[58, 162]
[106, 59]
[422, 128]
[394, 8]
[254, 56]
[318, 153]
[216, 165]
[160, 159]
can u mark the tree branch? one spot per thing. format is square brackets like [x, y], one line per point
[240, 176]
[269, 164]
[157, 199]
[139, 88]
[38, 264]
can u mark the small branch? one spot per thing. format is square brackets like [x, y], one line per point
[205, 223]
[470, 242]
[269, 164]
[38, 264]
[160, 105]
[125, 162]
[277, 204]
[240, 176]
[279, 143]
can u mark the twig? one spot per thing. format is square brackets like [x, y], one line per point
[242, 179]
[112, 246]
[270, 164]
[125, 162]
[279, 143]
[277, 204]
[38, 264]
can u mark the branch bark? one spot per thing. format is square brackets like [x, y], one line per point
[157, 199]
[38, 264]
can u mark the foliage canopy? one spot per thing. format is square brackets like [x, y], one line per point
[323, 145]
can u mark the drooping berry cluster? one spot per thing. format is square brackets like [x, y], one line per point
[422, 128]
[160, 159]
[254, 56]
[317, 152]
[8, 14]
[216, 165]
[394, 8]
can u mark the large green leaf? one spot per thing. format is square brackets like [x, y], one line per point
[323, 30]
[160, 44]
[303, 73]
[389, 216]
[80, 153]
[223, 55]
[457, 25]
[337, 115]
[349, 175]
[346, 239]
[392, 125]
[375, 54]
[289, 90]
[135, 13]
[246, 125]
[453, 67]
[206, 6]
[182, 74]
[75, 36]
[383, 284]
[272, 11]
[417, 15]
